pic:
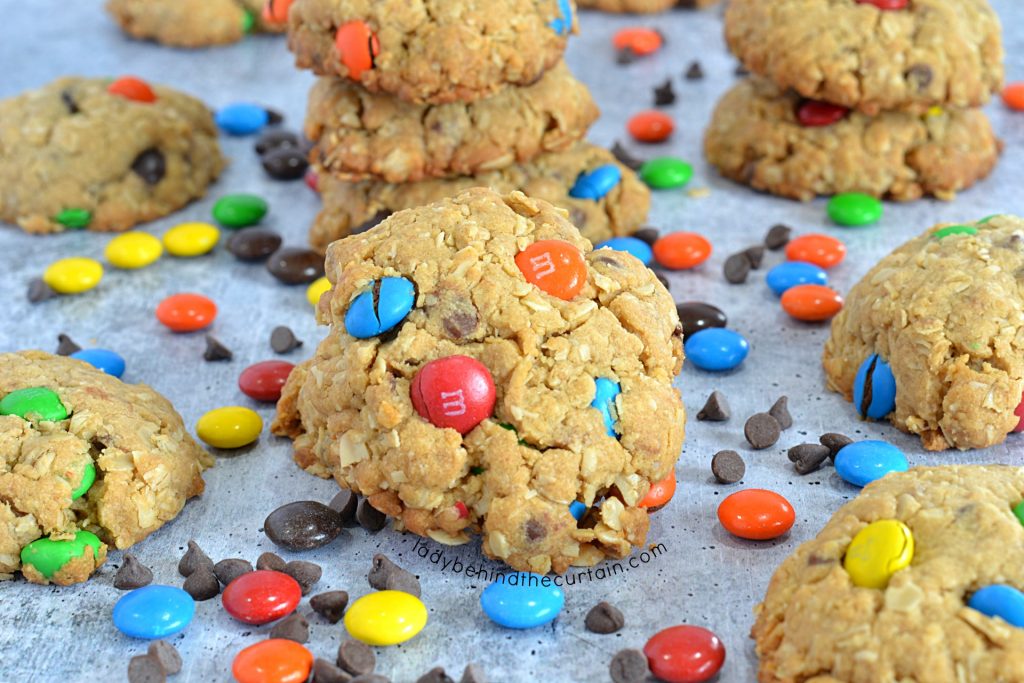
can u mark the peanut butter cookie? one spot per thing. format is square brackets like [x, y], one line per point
[191, 23]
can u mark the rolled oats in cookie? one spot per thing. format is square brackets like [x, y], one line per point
[944, 313]
[854, 54]
[756, 139]
[642, 6]
[431, 50]
[192, 23]
[886, 591]
[541, 445]
[90, 462]
[74, 155]
[549, 177]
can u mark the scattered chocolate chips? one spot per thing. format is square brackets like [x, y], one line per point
[356, 658]
[728, 467]
[202, 584]
[386, 575]
[65, 345]
[344, 503]
[371, 678]
[282, 339]
[193, 560]
[306, 573]
[277, 138]
[326, 672]
[215, 350]
[664, 94]
[253, 244]
[807, 457]
[302, 525]
[624, 157]
[696, 316]
[230, 569]
[435, 675]
[132, 574]
[835, 443]
[604, 618]
[737, 268]
[271, 561]
[69, 102]
[295, 266]
[167, 655]
[762, 431]
[145, 669]
[285, 163]
[330, 605]
[648, 235]
[626, 55]
[369, 517]
[274, 117]
[293, 627]
[39, 291]
[694, 72]
[473, 674]
[755, 255]
[778, 236]
[780, 411]
[150, 166]
[716, 408]
[920, 75]
[628, 666]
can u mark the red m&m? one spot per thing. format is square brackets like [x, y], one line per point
[650, 126]
[132, 88]
[263, 381]
[186, 312]
[812, 113]
[261, 596]
[684, 654]
[554, 266]
[1019, 412]
[455, 392]
[885, 4]
[357, 46]
[276, 11]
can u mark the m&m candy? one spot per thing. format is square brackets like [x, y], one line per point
[597, 183]
[812, 303]
[874, 388]
[823, 251]
[642, 41]
[133, 250]
[261, 596]
[357, 47]
[862, 462]
[522, 600]
[229, 427]
[660, 493]
[812, 114]
[554, 266]
[73, 275]
[154, 611]
[263, 381]
[386, 617]
[685, 654]
[631, 245]
[651, 126]
[186, 312]
[191, 239]
[681, 250]
[102, 359]
[455, 392]
[131, 88]
[878, 551]
[384, 304]
[756, 514]
[1002, 601]
[275, 660]
[792, 273]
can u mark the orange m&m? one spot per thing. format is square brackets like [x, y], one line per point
[642, 41]
[661, 493]
[275, 660]
[823, 251]
[1013, 96]
[651, 126]
[186, 312]
[812, 303]
[276, 11]
[681, 250]
[554, 266]
[357, 45]
[756, 514]
[132, 88]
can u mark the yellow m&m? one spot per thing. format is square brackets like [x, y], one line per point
[315, 290]
[73, 275]
[386, 617]
[133, 250]
[191, 239]
[229, 427]
[878, 551]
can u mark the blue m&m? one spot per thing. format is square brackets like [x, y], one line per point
[792, 273]
[874, 388]
[380, 308]
[597, 183]
[522, 600]
[102, 359]
[562, 24]
[716, 349]
[631, 245]
[1000, 600]
[154, 612]
[604, 400]
[862, 462]
[242, 118]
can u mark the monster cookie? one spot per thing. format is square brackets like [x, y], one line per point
[895, 586]
[852, 53]
[88, 462]
[642, 6]
[192, 23]
[432, 50]
[102, 154]
[765, 138]
[363, 135]
[486, 372]
[933, 336]
[618, 209]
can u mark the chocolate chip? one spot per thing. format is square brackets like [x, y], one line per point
[716, 408]
[39, 291]
[628, 666]
[253, 244]
[435, 675]
[150, 166]
[920, 75]
[369, 517]
[865, 402]
[216, 351]
[664, 283]
[371, 678]
[306, 573]
[807, 457]
[167, 655]
[230, 569]
[737, 268]
[534, 530]
[276, 138]
[330, 605]
[270, 561]
[372, 222]
[835, 442]
[741, 70]
[145, 669]
[65, 345]
[282, 339]
[694, 72]
[780, 411]
[604, 618]
[625, 157]
[626, 55]
[386, 575]
[777, 236]
[69, 102]
[326, 672]
[132, 574]
[460, 324]
[696, 316]
[193, 560]
[356, 658]
[648, 235]
[285, 163]
[755, 255]
[344, 503]
[473, 674]
[274, 117]
[293, 627]
[762, 431]
[294, 266]
[202, 584]
[728, 467]
[302, 525]
[664, 94]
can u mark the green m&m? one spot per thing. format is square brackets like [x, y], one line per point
[47, 555]
[34, 404]
[1019, 511]
[666, 173]
[854, 209]
[75, 219]
[248, 21]
[239, 210]
[954, 230]
[88, 479]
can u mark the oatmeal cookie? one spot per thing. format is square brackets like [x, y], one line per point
[85, 453]
[933, 52]
[354, 410]
[74, 155]
[642, 6]
[431, 51]
[361, 135]
[756, 138]
[191, 23]
[350, 206]
[945, 311]
[816, 624]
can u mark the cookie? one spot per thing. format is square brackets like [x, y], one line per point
[73, 154]
[354, 410]
[432, 51]
[816, 624]
[945, 311]
[361, 135]
[932, 52]
[86, 424]
[755, 138]
[191, 23]
[642, 6]
[350, 206]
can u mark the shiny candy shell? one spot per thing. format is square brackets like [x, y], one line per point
[886, 4]
[102, 359]
[862, 462]
[792, 273]
[756, 514]
[261, 596]
[455, 392]
[317, 289]
[651, 126]
[823, 251]
[186, 312]
[191, 239]
[275, 660]
[357, 46]
[263, 381]
[605, 392]
[812, 303]
[854, 209]
[681, 250]
[48, 555]
[684, 654]
[242, 118]
[631, 245]
[641, 40]
[878, 551]
[522, 600]
[562, 24]
[154, 611]
[133, 250]
[276, 11]
[380, 308]
[554, 266]
[132, 88]
[229, 427]
[385, 617]
[716, 349]
[695, 316]
[1000, 600]
[73, 275]
[660, 493]
[1019, 412]
[597, 183]
[34, 403]
[240, 210]
[812, 114]
[1013, 96]
[666, 173]
[874, 381]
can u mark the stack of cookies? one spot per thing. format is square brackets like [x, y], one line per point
[419, 101]
[872, 96]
